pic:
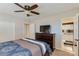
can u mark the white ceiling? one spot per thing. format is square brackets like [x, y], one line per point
[44, 9]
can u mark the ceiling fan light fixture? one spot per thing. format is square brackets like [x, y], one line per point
[28, 13]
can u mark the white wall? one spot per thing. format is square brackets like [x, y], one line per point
[7, 31]
[7, 21]
[19, 29]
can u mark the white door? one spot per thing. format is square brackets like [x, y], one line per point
[30, 31]
[27, 30]
[76, 37]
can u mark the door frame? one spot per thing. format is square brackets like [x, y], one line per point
[76, 35]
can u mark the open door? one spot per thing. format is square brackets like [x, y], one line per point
[76, 36]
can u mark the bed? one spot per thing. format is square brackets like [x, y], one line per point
[25, 47]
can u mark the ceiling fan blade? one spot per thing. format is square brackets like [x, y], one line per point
[35, 12]
[19, 5]
[19, 11]
[33, 7]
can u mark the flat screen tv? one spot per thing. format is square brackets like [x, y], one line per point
[45, 28]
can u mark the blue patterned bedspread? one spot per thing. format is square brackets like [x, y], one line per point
[48, 49]
[11, 48]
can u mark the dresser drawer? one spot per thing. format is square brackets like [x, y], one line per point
[46, 37]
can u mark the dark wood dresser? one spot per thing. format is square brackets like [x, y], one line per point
[46, 37]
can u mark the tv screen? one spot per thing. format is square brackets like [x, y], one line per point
[45, 28]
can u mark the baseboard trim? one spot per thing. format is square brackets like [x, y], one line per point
[57, 48]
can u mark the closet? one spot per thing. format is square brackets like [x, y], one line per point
[68, 35]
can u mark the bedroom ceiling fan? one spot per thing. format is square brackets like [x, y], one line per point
[28, 9]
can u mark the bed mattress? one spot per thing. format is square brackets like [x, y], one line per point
[24, 47]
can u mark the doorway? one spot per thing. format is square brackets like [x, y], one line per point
[27, 31]
[30, 31]
[70, 33]
[68, 36]
[75, 37]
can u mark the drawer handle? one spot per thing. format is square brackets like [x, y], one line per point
[76, 39]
